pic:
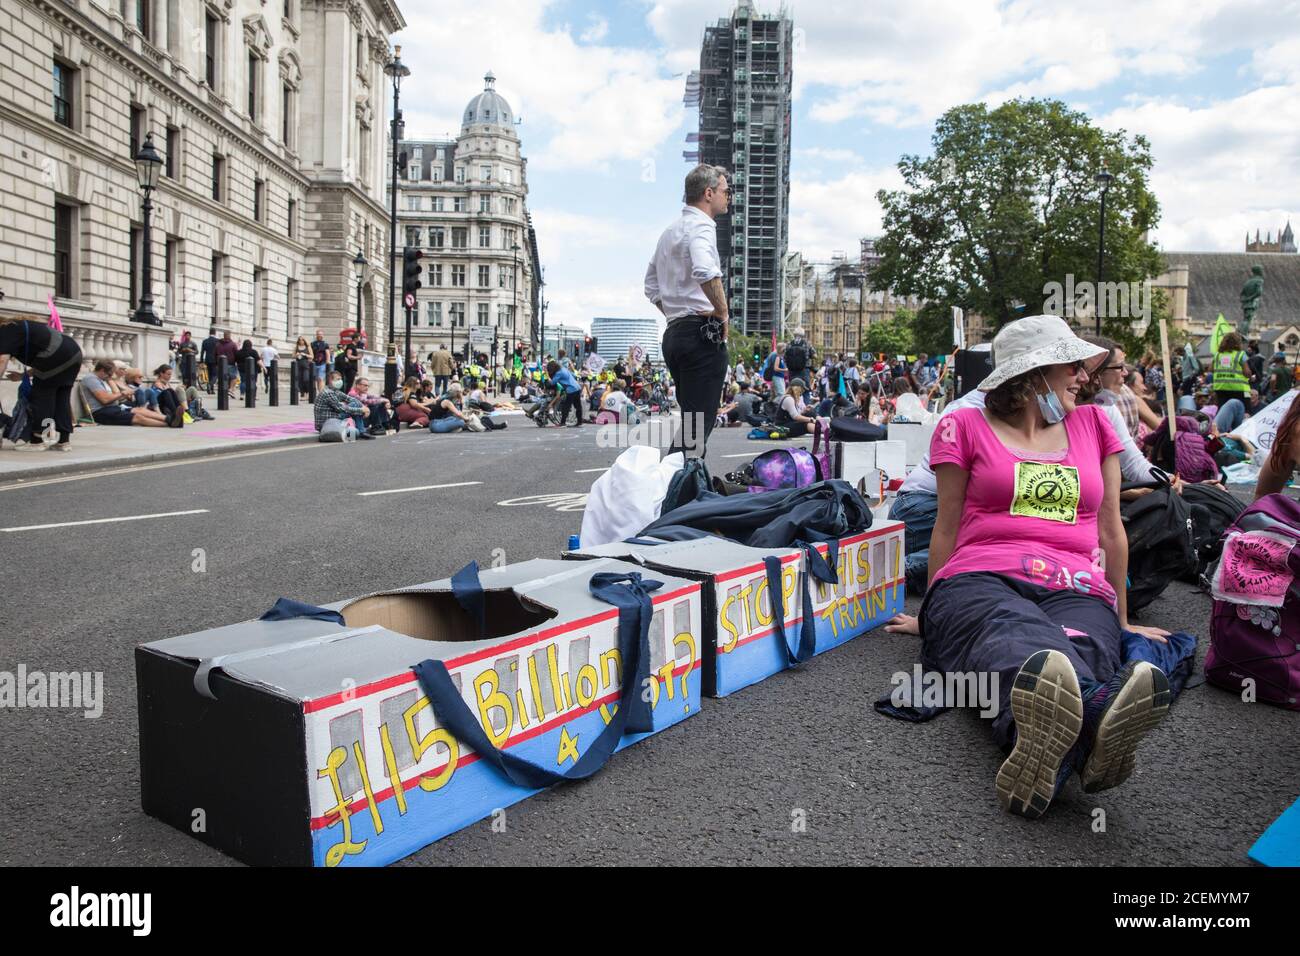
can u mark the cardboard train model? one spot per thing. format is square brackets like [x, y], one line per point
[358, 733]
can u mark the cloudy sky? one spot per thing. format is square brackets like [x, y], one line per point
[1214, 85]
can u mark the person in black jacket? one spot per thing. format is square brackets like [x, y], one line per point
[208, 356]
[53, 360]
[245, 353]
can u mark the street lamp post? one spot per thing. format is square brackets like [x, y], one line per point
[147, 165]
[359, 267]
[514, 314]
[1103, 178]
[396, 71]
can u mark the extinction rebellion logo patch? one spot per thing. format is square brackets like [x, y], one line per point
[1047, 491]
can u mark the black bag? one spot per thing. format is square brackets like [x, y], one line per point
[796, 357]
[689, 484]
[1213, 511]
[1159, 530]
[828, 510]
[845, 428]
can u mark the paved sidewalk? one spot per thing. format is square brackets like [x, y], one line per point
[101, 446]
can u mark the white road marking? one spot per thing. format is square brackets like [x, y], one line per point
[589, 471]
[402, 491]
[19, 482]
[74, 524]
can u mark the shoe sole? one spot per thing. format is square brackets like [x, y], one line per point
[1048, 709]
[1141, 702]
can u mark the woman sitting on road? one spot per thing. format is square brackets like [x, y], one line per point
[1028, 493]
[410, 410]
[445, 415]
[790, 412]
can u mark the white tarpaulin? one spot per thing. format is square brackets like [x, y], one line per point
[1260, 429]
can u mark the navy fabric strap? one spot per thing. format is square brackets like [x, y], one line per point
[286, 610]
[631, 595]
[819, 568]
[468, 591]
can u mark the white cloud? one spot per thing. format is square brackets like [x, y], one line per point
[828, 154]
[1221, 169]
[828, 216]
[584, 104]
[598, 30]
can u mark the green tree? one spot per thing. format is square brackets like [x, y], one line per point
[1008, 203]
[891, 336]
[932, 329]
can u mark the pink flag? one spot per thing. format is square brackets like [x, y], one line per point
[55, 322]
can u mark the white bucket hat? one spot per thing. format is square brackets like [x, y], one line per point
[1036, 342]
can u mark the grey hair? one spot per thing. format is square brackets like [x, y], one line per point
[700, 178]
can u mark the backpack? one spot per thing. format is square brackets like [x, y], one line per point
[690, 483]
[768, 366]
[1213, 511]
[1255, 624]
[337, 430]
[796, 355]
[1160, 549]
[785, 468]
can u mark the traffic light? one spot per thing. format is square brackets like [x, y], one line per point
[411, 270]
[586, 345]
[591, 344]
[757, 357]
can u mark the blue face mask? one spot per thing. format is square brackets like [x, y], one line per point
[1050, 407]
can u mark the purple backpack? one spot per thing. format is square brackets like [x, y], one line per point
[784, 468]
[1255, 625]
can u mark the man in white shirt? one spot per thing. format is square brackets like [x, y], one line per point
[684, 280]
[269, 355]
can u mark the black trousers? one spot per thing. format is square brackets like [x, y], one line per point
[214, 369]
[571, 400]
[51, 399]
[698, 369]
[988, 623]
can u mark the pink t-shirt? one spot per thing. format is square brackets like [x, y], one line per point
[1029, 515]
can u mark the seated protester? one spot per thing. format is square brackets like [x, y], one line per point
[476, 399]
[165, 380]
[1101, 390]
[1280, 378]
[616, 407]
[1028, 493]
[381, 410]
[790, 412]
[747, 407]
[1283, 456]
[334, 403]
[1189, 455]
[445, 414]
[111, 404]
[411, 409]
[1147, 417]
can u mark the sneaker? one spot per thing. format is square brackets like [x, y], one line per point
[365, 436]
[1048, 709]
[177, 417]
[1116, 718]
[60, 446]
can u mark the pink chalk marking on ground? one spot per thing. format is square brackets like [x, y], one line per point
[254, 432]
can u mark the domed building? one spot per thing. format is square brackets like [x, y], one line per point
[463, 202]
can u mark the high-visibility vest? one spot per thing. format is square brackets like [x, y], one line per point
[1228, 374]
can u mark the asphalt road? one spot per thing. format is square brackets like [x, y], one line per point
[720, 788]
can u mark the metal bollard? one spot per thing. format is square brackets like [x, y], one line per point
[188, 371]
[273, 390]
[222, 386]
[250, 382]
[295, 370]
[311, 382]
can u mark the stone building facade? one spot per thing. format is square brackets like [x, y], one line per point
[270, 117]
[464, 204]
